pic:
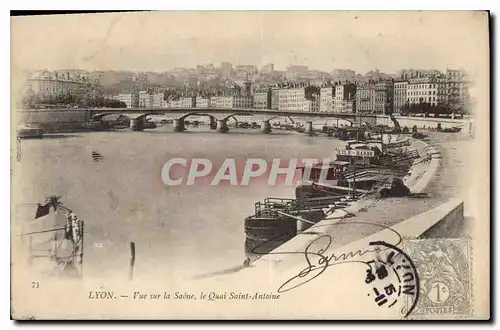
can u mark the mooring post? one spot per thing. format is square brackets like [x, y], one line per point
[132, 260]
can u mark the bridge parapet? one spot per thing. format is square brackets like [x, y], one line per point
[213, 111]
[222, 115]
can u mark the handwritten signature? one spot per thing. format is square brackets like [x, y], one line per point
[317, 260]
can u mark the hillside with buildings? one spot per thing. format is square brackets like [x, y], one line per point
[298, 88]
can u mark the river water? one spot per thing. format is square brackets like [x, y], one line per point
[183, 230]
[119, 194]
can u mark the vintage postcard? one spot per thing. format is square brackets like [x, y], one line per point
[251, 165]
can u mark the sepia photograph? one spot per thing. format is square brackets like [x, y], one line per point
[250, 165]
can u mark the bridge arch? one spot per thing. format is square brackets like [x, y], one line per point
[224, 113]
[100, 116]
[278, 116]
[198, 113]
[239, 114]
[313, 118]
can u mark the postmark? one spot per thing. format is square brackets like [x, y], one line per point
[444, 268]
[392, 279]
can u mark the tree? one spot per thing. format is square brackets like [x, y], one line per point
[30, 100]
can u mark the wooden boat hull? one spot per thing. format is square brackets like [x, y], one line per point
[30, 133]
[266, 233]
[268, 228]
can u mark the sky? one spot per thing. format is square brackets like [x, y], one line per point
[159, 41]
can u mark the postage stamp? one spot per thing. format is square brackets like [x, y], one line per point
[444, 269]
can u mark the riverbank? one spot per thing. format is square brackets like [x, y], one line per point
[454, 174]
[371, 214]
[288, 266]
[424, 123]
[417, 179]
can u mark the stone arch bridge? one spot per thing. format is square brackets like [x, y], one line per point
[219, 117]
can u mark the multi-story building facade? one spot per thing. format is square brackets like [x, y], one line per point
[406, 74]
[428, 90]
[157, 100]
[174, 104]
[212, 101]
[262, 99]
[223, 102]
[275, 98]
[339, 98]
[131, 100]
[299, 99]
[457, 89]
[231, 102]
[454, 74]
[187, 102]
[344, 93]
[365, 98]
[400, 97]
[47, 84]
[384, 97]
[202, 102]
[145, 99]
[464, 94]
[311, 105]
[449, 90]
[326, 101]
[291, 99]
[242, 102]
[182, 102]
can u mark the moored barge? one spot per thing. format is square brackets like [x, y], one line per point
[328, 185]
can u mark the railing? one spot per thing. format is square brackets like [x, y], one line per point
[220, 109]
[318, 202]
[400, 160]
[273, 205]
